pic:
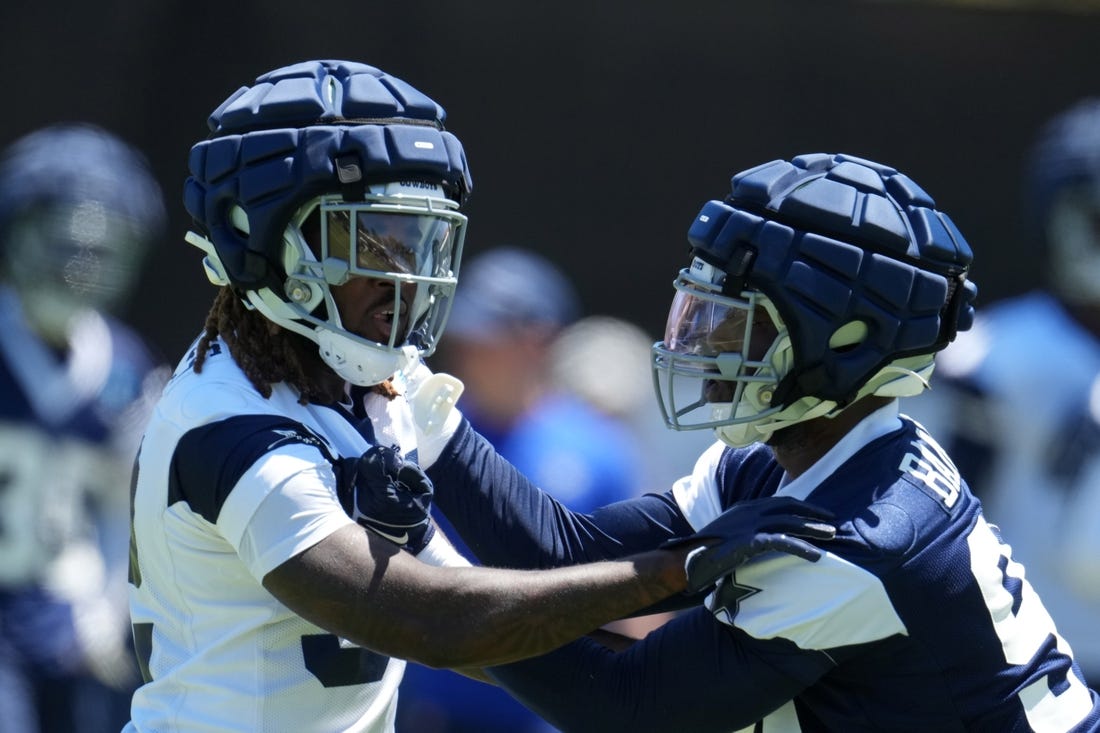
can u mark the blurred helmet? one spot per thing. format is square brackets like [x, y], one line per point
[816, 282]
[507, 290]
[78, 210]
[1062, 201]
[325, 171]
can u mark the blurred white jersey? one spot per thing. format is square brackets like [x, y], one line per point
[228, 486]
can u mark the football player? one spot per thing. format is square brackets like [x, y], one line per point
[79, 208]
[327, 203]
[816, 295]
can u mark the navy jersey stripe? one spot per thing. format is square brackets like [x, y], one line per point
[210, 460]
[747, 473]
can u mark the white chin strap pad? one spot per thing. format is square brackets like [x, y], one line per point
[435, 415]
[434, 400]
[361, 364]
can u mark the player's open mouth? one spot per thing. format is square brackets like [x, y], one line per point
[387, 314]
[383, 321]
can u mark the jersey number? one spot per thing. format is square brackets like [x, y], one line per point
[1058, 700]
[337, 666]
[331, 664]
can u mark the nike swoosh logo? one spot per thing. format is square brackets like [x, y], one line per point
[402, 539]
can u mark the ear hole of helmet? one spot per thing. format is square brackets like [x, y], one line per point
[848, 336]
[299, 287]
[238, 219]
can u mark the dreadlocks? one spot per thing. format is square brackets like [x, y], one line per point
[268, 354]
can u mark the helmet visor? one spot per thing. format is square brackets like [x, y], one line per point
[413, 242]
[710, 325]
[388, 242]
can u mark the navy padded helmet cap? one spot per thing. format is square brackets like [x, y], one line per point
[833, 239]
[301, 131]
[317, 92]
[858, 201]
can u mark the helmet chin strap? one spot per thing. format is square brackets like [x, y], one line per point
[740, 435]
[361, 364]
[902, 378]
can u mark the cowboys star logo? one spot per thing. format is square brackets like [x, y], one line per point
[728, 596]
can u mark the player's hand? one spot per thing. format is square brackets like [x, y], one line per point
[751, 528]
[393, 498]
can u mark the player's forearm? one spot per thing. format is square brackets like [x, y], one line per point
[494, 616]
[578, 599]
[499, 514]
[364, 589]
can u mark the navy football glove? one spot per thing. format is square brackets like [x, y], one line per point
[751, 528]
[393, 498]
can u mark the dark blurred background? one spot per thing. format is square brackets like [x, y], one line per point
[594, 130]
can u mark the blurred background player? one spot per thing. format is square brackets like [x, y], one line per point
[510, 310]
[604, 360]
[78, 210]
[1012, 397]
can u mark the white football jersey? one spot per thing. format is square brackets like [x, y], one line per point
[228, 486]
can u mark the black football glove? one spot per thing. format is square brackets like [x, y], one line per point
[751, 528]
[393, 498]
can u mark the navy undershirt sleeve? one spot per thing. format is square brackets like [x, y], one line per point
[506, 521]
[692, 674]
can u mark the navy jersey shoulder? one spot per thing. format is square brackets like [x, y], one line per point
[210, 459]
[747, 473]
[899, 491]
